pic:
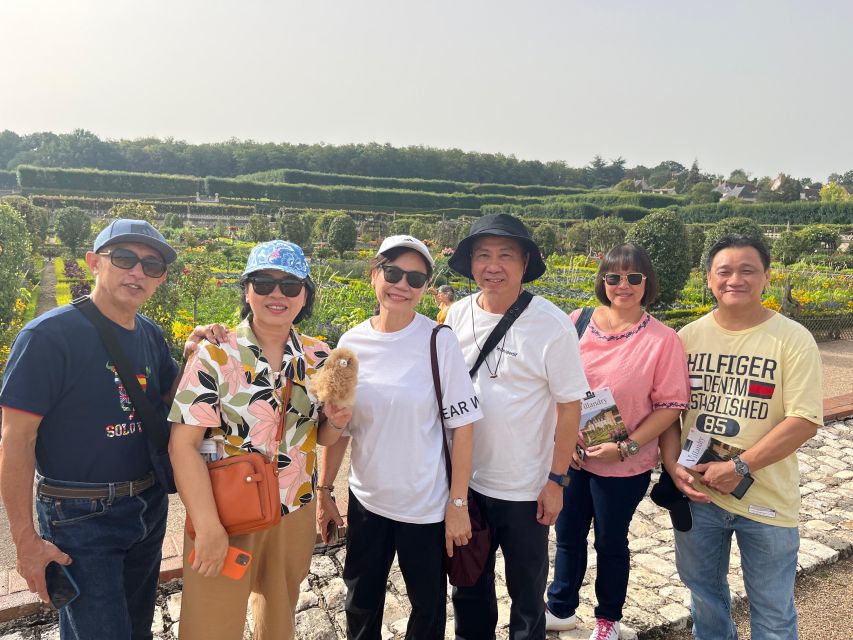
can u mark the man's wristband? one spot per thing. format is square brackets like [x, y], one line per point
[329, 488]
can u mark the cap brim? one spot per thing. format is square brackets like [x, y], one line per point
[460, 261]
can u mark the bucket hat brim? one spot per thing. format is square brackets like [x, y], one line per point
[503, 225]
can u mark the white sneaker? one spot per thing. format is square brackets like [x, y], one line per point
[605, 630]
[553, 623]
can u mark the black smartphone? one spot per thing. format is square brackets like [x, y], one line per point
[61, 588]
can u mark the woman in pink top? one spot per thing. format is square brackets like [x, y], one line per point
[642, 364]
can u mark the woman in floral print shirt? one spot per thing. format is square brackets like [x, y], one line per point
[228, 403]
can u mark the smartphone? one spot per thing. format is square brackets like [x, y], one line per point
[581, 452]
[61, 588]
[236, 562]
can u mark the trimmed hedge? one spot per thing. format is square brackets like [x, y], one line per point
[620, 198]
[346, 195]
[772, 212]
[32, 178]
[298, 176]
[162, 207]
[8, 180]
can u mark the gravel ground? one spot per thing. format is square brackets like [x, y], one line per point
[824, 604]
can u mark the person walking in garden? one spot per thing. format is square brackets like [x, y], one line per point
[444, 296]
[68, 420]
[530, 386]
[230, 401]
[755, 380]
[637, 362]
[399, 500]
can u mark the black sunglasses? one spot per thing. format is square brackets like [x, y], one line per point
[126, 259]
[416, 279]
[288, 286]
[614, 279]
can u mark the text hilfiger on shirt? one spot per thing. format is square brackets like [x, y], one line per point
[727, 364]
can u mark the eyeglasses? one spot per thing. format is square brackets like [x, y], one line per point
[126, 259]
[416, 279]
[288, 286]
[614, 279]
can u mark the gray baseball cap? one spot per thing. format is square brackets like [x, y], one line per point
[140, 231]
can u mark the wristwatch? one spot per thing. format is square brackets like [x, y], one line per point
[563, 481]
[458, 502]
[631, 447]
[741, 468]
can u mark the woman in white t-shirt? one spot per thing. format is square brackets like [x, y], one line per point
[399, 500]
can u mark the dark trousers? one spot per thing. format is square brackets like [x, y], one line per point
[524, 543]
[609, 504]
[371, 542]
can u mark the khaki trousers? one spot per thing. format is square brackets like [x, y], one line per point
[215, 608]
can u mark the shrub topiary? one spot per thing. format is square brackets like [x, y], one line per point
[664, 236]
[739, 225]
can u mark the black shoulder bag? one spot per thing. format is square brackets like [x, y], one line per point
[156, 427]
[467, 564]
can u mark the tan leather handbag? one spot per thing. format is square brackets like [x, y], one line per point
[245, 487]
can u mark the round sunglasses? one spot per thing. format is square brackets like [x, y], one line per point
[393, 275]
[264, 286]
[614, 279]
[127, 259]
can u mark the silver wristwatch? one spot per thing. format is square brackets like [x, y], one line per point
[741, 468]
[458, 502]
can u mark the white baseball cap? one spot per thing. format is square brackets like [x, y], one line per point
[407, 242]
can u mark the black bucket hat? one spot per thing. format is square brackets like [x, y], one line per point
[667, 496]
[498, 224]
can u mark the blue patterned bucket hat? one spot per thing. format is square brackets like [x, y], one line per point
[278, 255]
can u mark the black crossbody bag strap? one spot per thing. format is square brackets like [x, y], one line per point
[501, 328]
[436, 383]
[583, 320]
[140, 401]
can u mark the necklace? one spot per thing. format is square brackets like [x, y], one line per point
[493, 373]
[610, 322]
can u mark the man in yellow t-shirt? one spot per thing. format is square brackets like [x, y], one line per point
[756, 396]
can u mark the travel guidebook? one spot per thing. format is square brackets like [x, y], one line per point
[600, 418]
[700, 447]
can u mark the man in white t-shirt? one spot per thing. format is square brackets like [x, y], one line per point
[529, 386]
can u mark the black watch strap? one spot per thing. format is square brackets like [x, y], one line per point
[563, 481]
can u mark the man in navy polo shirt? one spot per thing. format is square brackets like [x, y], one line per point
[67, 418]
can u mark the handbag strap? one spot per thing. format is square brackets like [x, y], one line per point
[501, 328]
[140, 401]
[436, 383]
[583, 320]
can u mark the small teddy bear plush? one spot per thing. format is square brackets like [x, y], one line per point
[335, 381]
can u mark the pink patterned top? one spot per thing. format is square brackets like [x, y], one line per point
[645, 369]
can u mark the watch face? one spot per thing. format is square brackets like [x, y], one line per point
[633, 448]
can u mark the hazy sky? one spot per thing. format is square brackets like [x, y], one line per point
[765, 85]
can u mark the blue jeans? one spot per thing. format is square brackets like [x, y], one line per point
[769, 560]
[609, 504]
[115, 547]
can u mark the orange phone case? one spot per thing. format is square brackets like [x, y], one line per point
[236, 562]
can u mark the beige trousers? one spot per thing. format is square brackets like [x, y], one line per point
[215, 608]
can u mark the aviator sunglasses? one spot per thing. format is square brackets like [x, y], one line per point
[393, 275]
[614, 279]
[264, 286]
[126, 259]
